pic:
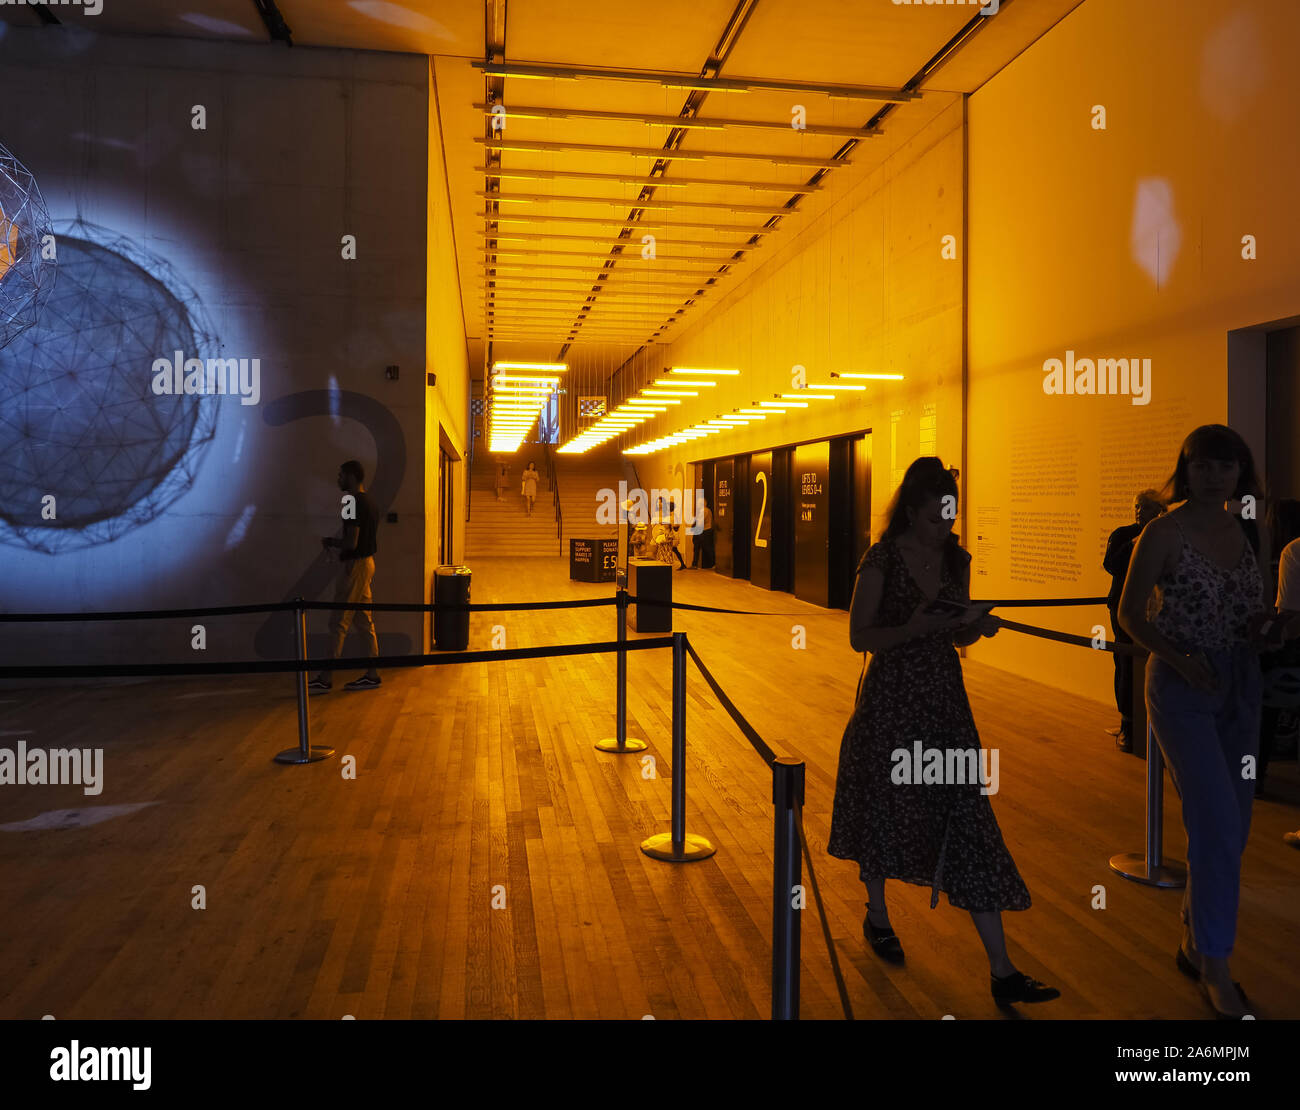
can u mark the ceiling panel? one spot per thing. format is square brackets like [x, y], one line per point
[623, 34]
[552, 255]
[1011, 31]
[844, 42]
[418, 27]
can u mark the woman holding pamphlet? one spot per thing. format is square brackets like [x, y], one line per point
[911, 604]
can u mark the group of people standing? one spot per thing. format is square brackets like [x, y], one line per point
[662, 537]
[1195, 592]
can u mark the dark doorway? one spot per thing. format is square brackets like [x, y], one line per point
[861, 497]
[1282, 409]
[724, 516]
[812, 534]
[446, 487]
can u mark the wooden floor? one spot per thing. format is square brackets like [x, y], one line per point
[374, 896]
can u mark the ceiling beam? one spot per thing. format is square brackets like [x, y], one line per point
[689, 123]
[528, 146]
[693, 81]
[641, 203]
[276, 27]
[655, 182]
[618, 221]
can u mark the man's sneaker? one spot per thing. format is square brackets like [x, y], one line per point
[319, 685]
[365, 682]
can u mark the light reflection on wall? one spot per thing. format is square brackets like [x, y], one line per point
[1233, 66]
[398, 16]
[1156, 235]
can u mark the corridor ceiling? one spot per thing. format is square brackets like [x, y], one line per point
[613, 208]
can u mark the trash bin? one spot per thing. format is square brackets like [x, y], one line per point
[451, 626]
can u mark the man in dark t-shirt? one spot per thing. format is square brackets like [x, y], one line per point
[356, 547]
[1119, 550]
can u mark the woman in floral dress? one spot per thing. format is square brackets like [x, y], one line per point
[937, 834]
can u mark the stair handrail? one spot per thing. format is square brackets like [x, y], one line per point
[553, 474]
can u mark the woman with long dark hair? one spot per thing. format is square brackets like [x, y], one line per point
[892, 823]
[1208, 559]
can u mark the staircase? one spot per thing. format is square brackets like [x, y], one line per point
[501, 529]
[581, 478]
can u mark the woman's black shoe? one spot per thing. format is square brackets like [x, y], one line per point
[884, 943]
[1018, 987]
[1193, 972]
[1219, 1014]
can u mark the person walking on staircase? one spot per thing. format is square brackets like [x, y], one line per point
[529, 489]
[503, 480]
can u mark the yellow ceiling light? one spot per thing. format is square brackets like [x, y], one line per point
[784, 404]
[690, 370]
[840, 388]
[557, 366]
[674, 383]
[758, 412]
[876, 377]
[673, 393]
[810, 396]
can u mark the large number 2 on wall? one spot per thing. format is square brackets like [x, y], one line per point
[758, 541]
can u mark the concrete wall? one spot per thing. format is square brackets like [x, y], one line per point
[446, 402]
[1123, 242]
[301, 147]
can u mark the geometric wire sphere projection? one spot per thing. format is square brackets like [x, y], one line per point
[26, 276]
[78, 417]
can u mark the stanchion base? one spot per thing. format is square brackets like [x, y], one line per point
[610, 744]
[660, 846]
[1169, 873]
[294, 755]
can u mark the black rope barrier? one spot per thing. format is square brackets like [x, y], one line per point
[840, 985]
[461, 606]
[747, 730]
[151, 614]
[433, 607]
[292, 606]
[1071, 638]
[1049, 602]
[785, 934]
[280, 666]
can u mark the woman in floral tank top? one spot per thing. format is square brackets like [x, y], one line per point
[1203, 560]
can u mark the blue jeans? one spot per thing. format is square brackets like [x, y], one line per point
[1205, 738]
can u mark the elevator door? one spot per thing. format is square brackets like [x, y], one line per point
[812, 522]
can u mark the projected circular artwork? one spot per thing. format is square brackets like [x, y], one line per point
[89, 450]
[26, 271]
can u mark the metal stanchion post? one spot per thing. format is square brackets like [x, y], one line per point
[304, 752]
[621, 742]
[677, 846]
[787, 874]
[1151, 869]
